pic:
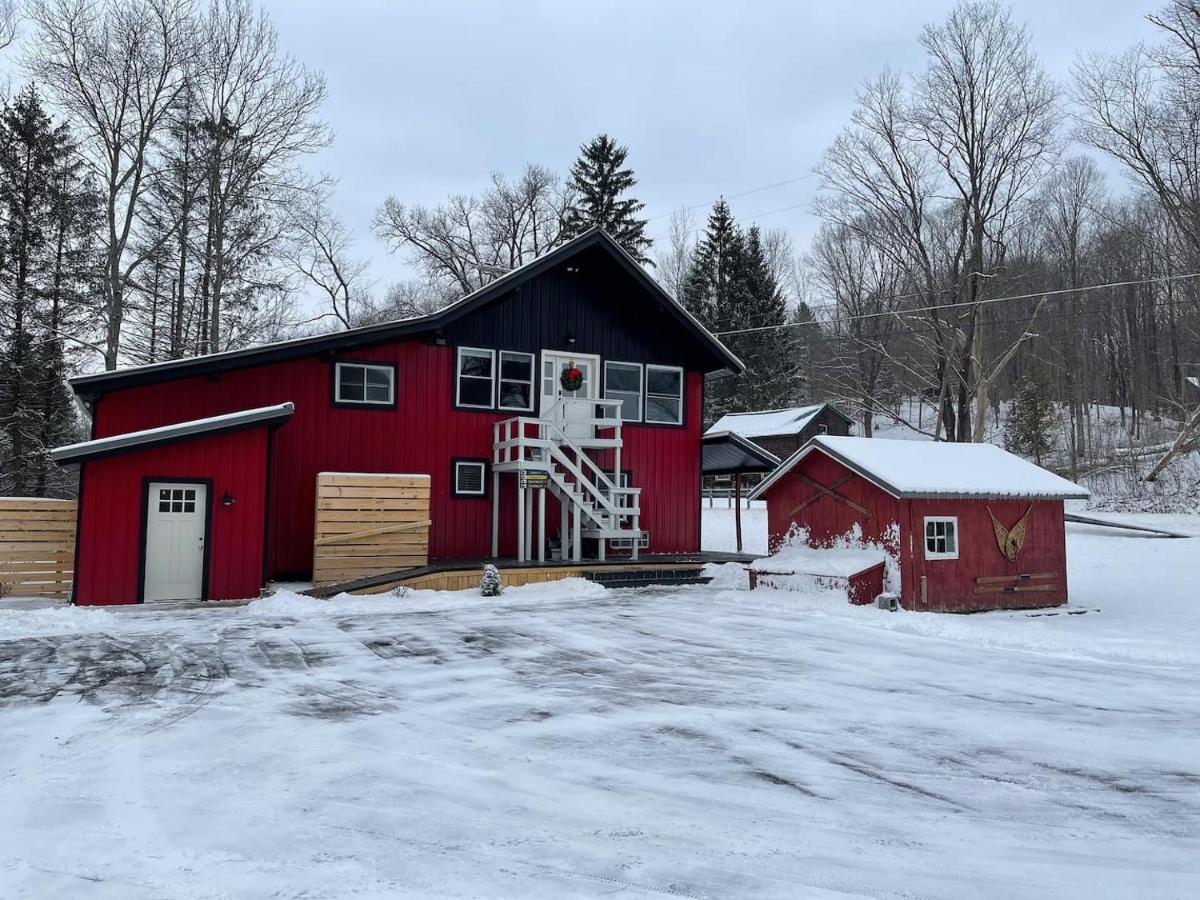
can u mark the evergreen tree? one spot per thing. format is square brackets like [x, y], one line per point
[730, 287]
[41, 228]
[599, 180]
[1032, 420]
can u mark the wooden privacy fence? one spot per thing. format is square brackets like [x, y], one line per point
[37, 547]
[369, 525]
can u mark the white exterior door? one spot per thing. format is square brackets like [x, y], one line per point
[175, 519]
[553, 364]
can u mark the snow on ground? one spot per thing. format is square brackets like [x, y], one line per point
[717, 525]
[562, 740]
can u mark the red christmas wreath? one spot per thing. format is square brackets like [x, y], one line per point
[571, 378]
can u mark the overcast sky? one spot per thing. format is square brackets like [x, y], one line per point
[711, 98]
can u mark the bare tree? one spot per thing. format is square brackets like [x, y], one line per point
[864, 284]
[467, 241]
[989, 113]
[258, 115]
[673, 260]
[115, 68]
[322, 253]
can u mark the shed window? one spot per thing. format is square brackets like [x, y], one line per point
[177, 500]
[623, 381]
[664, 395]
[941, 537]
[476, 378]
[516, 380]
[469, 478]
[362, 383]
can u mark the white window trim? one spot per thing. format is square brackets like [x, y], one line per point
[458, 377]
[498, 369]
[646, 392]
[337, 383]
[482, 466]
[641, 397]
[929, 554]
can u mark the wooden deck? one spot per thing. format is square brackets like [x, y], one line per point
[460, 574]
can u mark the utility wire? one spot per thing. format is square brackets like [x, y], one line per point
[757, 190]
[987, 301]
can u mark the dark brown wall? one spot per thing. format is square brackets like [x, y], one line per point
[784, 445]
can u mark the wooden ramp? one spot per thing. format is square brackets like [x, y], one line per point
[1127, 526]
[368, 525]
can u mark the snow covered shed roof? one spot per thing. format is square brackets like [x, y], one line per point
[936, 469]
[167, 434]
[772, 421]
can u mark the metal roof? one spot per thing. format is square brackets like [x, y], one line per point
[935, 469]
[370, 335]
[727, 453]
[169, 434]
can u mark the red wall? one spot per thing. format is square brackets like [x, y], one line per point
[827, 518]
[950, 583]
[420, 436]
[111, 515]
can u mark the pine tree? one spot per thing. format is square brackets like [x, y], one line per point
[599, 181]
[40, 228]
[730, 287]
[1032, 420]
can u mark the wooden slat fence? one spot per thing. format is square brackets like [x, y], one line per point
[369, 525]
[37, 547]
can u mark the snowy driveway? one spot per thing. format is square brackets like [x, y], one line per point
[566, 741]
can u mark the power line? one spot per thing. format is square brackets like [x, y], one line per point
[757, 190]
[967, 304]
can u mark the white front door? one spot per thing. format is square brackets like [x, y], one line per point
[175, 518]
[553, 364]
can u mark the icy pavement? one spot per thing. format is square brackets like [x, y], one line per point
[566, 741]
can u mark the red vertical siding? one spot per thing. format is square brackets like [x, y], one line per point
[421, 435]
[111, 515]
[828, 518]
[951, 584]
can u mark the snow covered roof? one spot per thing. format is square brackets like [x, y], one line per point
[770, 422]
[153, 437]
[935, 469]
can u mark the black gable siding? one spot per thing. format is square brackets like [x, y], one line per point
[602, 307]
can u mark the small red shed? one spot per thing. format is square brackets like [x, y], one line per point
[971, 526]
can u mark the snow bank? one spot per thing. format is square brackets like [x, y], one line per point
[287, 603]
[840, 558]
[26, 623]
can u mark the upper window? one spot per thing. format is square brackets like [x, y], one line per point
[516, 380]
[365, 384]
[822, 428]
[664, 395]
[941, 537]
[623, 381]
[476, 380]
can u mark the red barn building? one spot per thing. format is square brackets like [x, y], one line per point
[971, 526]
[199, 479]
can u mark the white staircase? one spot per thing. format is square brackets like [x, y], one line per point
[593, 502]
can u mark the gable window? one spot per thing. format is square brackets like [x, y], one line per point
[941, 537]
[516, 380]
[623, 381]
[364, 384]
[664, 395]
[468, 478]
[476, 382]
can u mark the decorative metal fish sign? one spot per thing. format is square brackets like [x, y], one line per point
[1010, 540]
